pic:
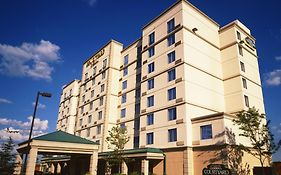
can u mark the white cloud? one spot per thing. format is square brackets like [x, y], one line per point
[278, 58]
[273, 78]
[19, 136]
[38, 123]
[39, 105]
[3, 100]
[29, 60]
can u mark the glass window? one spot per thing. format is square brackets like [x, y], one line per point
[91, 105]
[122, 125]
[98, 129]
[150, 101]
[171, 74]
[240, 50]
[151, 38]
[82, 109]
[247, 103]
[94, 70]
[101, 101]
[242, 66]
[150, 119]
[93, 81]
[125, 71]
[172, 135]
[244, 83]
[83, 98]
[206, 132]
[171, 39]
[238, 35]
[151, 51]
[70, 92]
[151, 67]
[103, 75]
[150, 84]
[126, 59]
[92, 93]
[124, 84]
[86, 75]
[85, 86]
[123, 113]
[89, 118]
[102, 88]
[100, 115]
[104, 63]
[124, 98]
[80, 122]
[172, 94]
[171, 25]
[172, 114]
[88, 132]
[171, 57]
[149, 138]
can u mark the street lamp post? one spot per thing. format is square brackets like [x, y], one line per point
[43, 94]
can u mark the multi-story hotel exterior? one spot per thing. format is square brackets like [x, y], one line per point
[176, 88]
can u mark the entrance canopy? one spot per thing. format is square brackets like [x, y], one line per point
[59, 142]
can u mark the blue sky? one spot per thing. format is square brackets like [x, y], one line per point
[44, 43]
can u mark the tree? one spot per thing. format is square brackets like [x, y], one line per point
[7, 157]
[117, 140]
[255, 127]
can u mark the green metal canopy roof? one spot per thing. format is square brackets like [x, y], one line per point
[60, 136]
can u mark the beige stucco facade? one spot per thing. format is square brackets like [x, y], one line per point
[202, 74]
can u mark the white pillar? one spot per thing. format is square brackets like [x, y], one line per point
[31, 161]
[124, 168]
[144, 166]
[93, 163]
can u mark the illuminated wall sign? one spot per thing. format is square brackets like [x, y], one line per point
[93, 60]
[250, 43]
[216, 169]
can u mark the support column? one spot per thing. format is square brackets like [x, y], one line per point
[144, 167]
[124, 168]
[93, 163]
[31, 161]
[72, 164]
[188, 161]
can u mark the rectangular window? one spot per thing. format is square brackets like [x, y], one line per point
[150, 84]
[171, 40]
[94, 70]
[124, 98]
[102, 88]
[238, 35]
[93, 81]
[98, 129]
[172, 94]
[206, 132]
[150, 101]
[86, 76]
[242, 66]
[247, 103]
[82, 109]
[171, 25]
[103, 75]
[70, 92]
[122, 125]
[126, 60]
[104, 63]
[89, 119]
[125, 71]
[172, 114]
[172, 135]
[244, 83]
[240, 50]
[171, 57]
[151, 51]
[80, 122]
[151, 67]
[151, 38]
[100, 115]
[88, 132]
[171, 74]
[91, 105]
[123, 113]
[101, 101]
[92, 93]
[83, 98]
[124, 85]
[149, 138]
[150, 119]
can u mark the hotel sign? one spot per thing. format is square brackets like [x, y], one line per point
[216, 169]
[94, 58]
[250, 43]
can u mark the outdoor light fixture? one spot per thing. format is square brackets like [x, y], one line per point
[43, 94]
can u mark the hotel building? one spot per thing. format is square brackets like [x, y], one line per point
[176, 88]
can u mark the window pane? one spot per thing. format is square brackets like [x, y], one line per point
[172, 135]
[149, 138]
[150, 101]
[172, 75]
[171, 57]
[126, 59]
[172, 114]
[123, 113]
[125, 71]
[124, 98]
[170, 25]
[124, 85]
[150, 119]
[171, 40]
[151, 51]
[172, 94]
[150, 84]
[151, 38]
[150, 67]
[206, 132]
